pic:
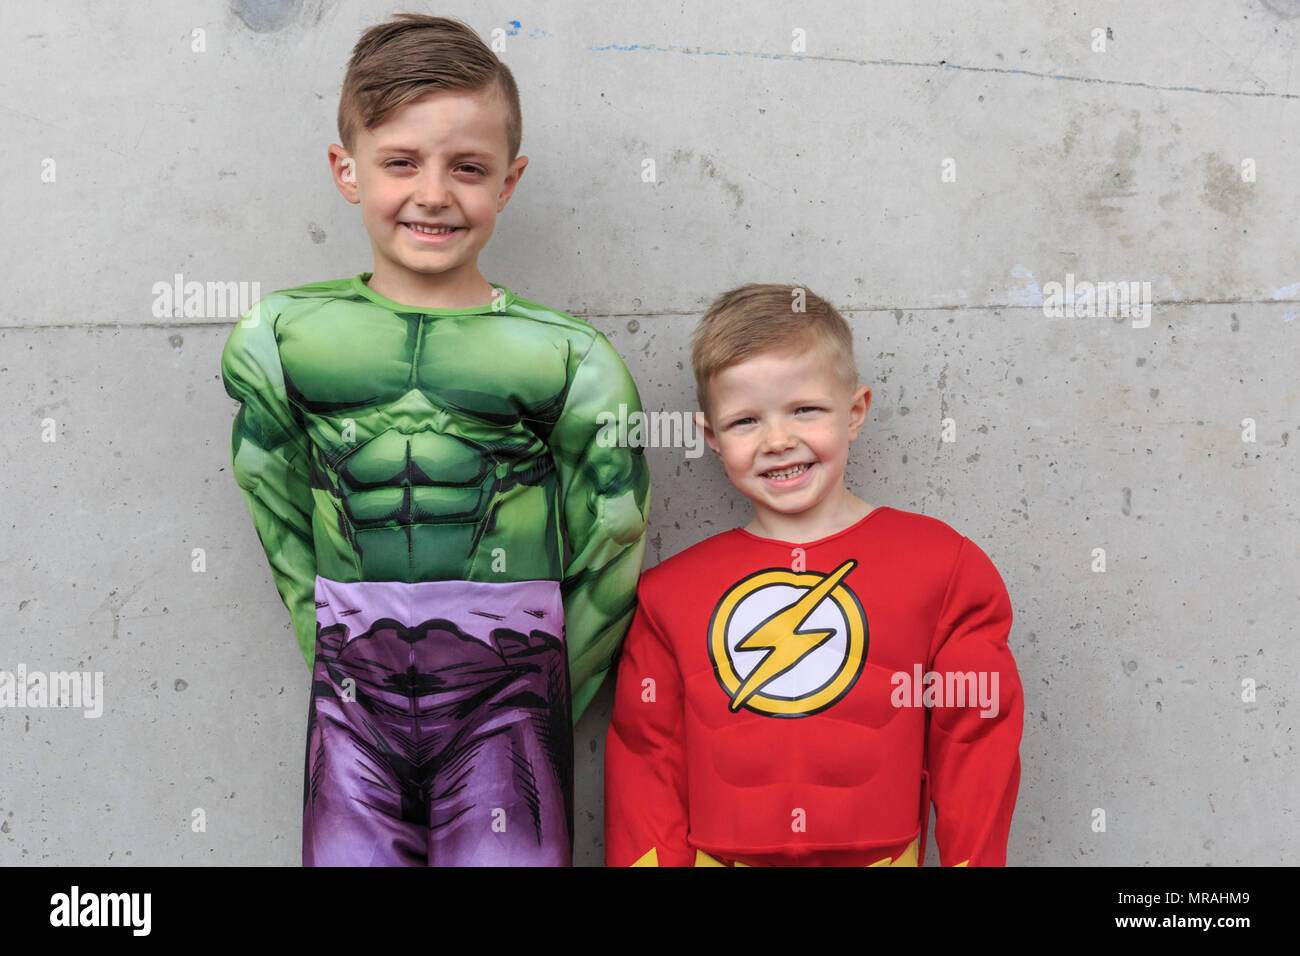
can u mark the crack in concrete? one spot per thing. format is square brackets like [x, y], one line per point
[989, 307]
[944, 65]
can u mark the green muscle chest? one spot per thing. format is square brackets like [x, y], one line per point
[425, 431]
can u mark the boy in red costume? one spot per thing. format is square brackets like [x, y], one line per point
[798, 691]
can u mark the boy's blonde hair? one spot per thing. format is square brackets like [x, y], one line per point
[412, 55]
[755, 319]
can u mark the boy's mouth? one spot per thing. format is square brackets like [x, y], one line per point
[790, 473]
[427, 233]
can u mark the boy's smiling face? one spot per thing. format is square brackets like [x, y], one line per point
[782, 425]
[439, 163]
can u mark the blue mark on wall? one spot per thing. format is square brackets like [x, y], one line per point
[264, 16]
[1029, 293]
[696, 51]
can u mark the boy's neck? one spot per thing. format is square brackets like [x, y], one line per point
[441, 291]
[847, 511]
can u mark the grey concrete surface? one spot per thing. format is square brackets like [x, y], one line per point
[822, 167]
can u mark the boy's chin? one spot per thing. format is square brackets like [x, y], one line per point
[423, 266]
[786, 510]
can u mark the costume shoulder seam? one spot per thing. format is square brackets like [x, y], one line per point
[543, 313]
[296, 298]
[341, 288]
[936, 526]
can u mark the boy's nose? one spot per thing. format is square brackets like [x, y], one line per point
[433, 190]
[778, 439]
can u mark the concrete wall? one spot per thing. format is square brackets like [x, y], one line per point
[823, 167]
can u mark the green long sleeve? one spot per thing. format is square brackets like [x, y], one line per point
[604, 492]
[272, 465]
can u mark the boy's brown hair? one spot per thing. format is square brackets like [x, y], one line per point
[764, 318]
[412, 55]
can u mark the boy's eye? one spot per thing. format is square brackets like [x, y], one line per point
[406, 162]
[808, 408]
[740, 421]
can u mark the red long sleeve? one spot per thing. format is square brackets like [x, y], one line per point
[645, 762]
[973, 751]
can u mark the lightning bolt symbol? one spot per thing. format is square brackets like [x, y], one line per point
[780, 634]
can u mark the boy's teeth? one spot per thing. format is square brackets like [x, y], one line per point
[787, 472]
[431, 231]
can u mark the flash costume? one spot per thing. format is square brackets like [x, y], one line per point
[414, 476]
[767, 710]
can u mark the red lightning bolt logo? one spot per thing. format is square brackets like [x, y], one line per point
[786, 645]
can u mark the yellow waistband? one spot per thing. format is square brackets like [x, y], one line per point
[907, 858]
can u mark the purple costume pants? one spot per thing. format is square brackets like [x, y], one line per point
[439, 731]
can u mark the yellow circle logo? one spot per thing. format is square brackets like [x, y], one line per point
[788, 644]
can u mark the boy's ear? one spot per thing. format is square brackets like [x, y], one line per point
[702, 424]
[512, 180]
[858, 405]
[344, 168]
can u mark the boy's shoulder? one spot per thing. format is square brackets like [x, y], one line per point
[352, 288]
[518, 305]
[916, 538]
[311, 292]
[275, 308]
[299, 301]
[586, 341]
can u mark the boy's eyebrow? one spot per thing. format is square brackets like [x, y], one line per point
[465, 154]
[745, 411]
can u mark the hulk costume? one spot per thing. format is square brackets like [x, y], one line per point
[414, 476]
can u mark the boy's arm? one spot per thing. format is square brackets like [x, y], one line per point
[973, 752]
[272, 465]
[646, 818]
[604, 490]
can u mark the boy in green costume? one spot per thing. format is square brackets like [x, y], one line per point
[417, 446]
